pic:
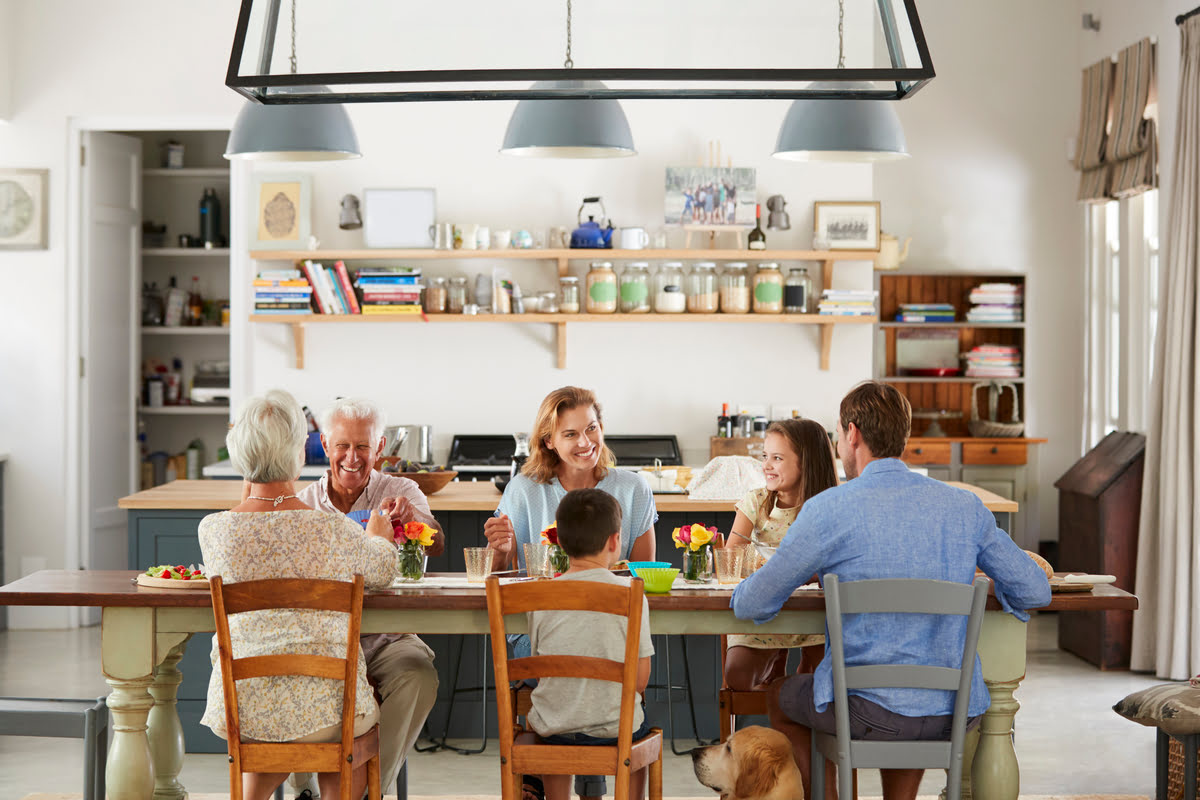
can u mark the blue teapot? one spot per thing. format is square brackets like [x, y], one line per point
[589, 234]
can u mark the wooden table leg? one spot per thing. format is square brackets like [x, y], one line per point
[993, 774]
[165, 732]
[127, 660]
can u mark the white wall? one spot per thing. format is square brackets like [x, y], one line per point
[988, 188]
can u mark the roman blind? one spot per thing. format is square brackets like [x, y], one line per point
[1093, 132]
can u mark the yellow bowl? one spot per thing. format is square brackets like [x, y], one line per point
[658, 580]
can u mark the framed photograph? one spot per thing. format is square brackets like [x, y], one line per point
[283, 212]
[399, 217]
[23, 209]
[710, 196]
[846, 225]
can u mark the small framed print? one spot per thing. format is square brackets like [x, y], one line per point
[23, 209]
[846, 225]
[283, 212]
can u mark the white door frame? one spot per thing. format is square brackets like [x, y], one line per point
[75, 551]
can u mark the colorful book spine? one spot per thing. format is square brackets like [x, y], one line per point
[344, 281]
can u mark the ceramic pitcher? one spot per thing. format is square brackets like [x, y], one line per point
[890, 254]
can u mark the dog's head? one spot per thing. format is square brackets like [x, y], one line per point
[754, 762]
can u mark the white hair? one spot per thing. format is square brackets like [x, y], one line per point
[266, 442]
[353, 408]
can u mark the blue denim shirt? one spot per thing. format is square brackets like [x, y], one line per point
[891, 522]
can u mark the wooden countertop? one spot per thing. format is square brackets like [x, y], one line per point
[479, 496]
[116, 589]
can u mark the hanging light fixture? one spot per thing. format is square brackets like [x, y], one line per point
[296, 132]
[841, 130]
[568, 128]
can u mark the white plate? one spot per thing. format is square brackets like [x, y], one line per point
[169, 583]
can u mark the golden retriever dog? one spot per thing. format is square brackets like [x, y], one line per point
[755, 762]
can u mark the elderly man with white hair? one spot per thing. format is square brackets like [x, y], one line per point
[400, 666]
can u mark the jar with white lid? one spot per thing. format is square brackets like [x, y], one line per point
[735, 288]
[702, 288]
[601, 288]
[669, 296]
[797, 292]
[456, 295]
[568, 292]
[435, 296]
[768, 289]
[635, 288]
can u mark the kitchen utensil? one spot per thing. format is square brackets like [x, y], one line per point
[520, 452]
[590, 234]
[501, 239]
[394, 436]
[991, 426]
[657, 580]
[413, 442]
[633, 238]
[766, 551]
[890, 255]
[501, 482]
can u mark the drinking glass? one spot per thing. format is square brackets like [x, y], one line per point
[537, 560]
[479, 563]
[729, 563]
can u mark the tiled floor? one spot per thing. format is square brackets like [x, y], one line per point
[1068, 739]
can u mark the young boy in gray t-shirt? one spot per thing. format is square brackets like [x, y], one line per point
[585, 711]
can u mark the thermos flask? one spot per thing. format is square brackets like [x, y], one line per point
[210, 219]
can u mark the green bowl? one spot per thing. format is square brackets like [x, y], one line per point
[658, 580]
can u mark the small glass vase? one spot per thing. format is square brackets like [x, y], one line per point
[558, 559]
[411, 563]
[697, 565]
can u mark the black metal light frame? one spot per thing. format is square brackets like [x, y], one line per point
[324, 87]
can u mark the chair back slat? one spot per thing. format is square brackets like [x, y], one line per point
[565, 667]
[520, 598]
[902, 676]
[289, 593]
[311, 666]
[906, 596]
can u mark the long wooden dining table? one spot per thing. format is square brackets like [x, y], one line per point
[144, 632]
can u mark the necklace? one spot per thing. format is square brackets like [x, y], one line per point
[274, 501]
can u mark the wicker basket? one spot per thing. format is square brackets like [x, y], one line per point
[992, 427]
[1175, 771]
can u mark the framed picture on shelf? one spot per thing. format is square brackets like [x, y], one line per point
[842, 225]
[23, 209]
[710, 196]
[283, 212]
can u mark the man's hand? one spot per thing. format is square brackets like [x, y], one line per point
[399, 509]
[500, 535]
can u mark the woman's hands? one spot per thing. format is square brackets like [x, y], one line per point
[380, 523]
[501, 537]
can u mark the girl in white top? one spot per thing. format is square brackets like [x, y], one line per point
[797, 463]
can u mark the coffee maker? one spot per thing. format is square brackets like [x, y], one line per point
[520, 453]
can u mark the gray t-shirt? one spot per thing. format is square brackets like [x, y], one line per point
[583, 705]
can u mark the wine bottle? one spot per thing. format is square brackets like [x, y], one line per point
[758, 239]
[725, 423]
[195, 313]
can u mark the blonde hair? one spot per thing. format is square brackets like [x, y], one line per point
[542, 464]
[266, 442]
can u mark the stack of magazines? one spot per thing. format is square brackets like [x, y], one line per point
[390, 290]
[997, 302]
[925, 312]
[848, 302]
[994, 361]
[281, 291]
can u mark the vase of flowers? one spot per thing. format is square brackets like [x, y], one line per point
[411, 540]
[696, 542]
[558, 557]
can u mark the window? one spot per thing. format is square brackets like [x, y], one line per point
[1121, 314]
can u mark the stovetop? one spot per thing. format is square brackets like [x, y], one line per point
[492, 454]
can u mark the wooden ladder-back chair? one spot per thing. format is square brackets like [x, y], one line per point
[734, 703]
[313, 594]
[521, 752]
[904, 596]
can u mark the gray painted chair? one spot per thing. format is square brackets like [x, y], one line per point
[897, 596]
[80, 719]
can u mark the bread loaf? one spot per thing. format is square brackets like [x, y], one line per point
[1041, 562]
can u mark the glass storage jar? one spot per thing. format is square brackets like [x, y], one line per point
[702, 288]
[435, 296]
[568, 291]
[456, 295]
[797, 292]
[601, 288]
[635, 288]
[735, 288]
[549, 302]
[768, 289]
[669, 297]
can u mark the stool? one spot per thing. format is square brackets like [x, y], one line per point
[1162, 771]
[1171, 708]
[82, 719]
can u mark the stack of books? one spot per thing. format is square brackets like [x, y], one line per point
[925, 312]
[848, 302]
[994, 361]
[281, 291]
[331, 288]
[997, 302]
[390, 290]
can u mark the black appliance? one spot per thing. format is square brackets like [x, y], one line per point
[482, 457]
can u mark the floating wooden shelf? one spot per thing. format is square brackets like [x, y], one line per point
[193, 252]
[562, 259]
[185, 410]
[186, 172]
[206, 330]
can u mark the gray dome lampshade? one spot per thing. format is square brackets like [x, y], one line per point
[568, 128]
[841, 130]
[311, 132]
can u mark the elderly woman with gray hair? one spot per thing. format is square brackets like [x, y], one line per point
[273, 534]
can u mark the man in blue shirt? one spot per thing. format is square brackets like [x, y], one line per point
[886, 522]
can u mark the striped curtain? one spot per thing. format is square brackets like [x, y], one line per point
[1132, 148]
[1093, 132]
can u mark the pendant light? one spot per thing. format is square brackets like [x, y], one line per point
[841, 130]
[298, 132]
[574, 128]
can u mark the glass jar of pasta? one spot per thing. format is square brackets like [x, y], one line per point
[702, 288]
[735, 288]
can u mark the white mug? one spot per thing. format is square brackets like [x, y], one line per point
[469, 232]
[482, 237]
[633, 238]
[501, 239]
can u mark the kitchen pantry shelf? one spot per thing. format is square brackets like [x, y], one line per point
[187, 252]
[562, 259]
[185, 411]
[185, 330]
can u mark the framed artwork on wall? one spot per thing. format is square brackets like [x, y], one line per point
[23, 209]
[846, 225]
[710, 196]
[283, 212]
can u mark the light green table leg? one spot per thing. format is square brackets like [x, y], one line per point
[166, 734]
[993, 773]
[127, 660]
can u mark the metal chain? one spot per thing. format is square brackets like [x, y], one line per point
[841, 32]
[569, 63]
[294, 36]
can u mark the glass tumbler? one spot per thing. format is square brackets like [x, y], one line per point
[479, 563]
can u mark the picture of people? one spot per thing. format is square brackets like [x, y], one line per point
[710, 196]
